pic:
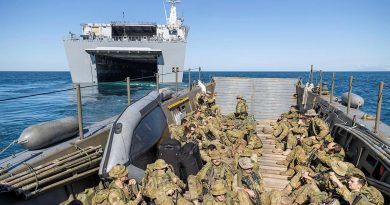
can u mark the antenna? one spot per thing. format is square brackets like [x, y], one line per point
[165, 11]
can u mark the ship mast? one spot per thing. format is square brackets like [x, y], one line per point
[173, 22]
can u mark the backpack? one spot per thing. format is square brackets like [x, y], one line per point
[373, 195]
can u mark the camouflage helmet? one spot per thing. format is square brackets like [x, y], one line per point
[215, 155]
[339, 167]
[160, 164]
[311, 113]
[118, 171]
[218, 188]
[215, 107]
[239, 97]
[245, 163]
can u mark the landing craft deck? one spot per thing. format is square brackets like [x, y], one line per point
[267, 98]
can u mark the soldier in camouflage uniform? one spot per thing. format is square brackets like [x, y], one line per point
[219, 195]
[249, 185]
[299, 131]
[241, 108]
[318, 130]
[118, 190]
[160, 176]
[292, 114]
[214, 170]
[353, 194]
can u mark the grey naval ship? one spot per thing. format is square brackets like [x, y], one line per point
[105, 52]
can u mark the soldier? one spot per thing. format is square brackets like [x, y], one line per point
[214, 170]
[118, 190]
[153, 185]
[353, 194]
[248, 183]
[218, 195]
[241, 108]
[297, 132]
[292, 114]
[318, 130]
[333, 152]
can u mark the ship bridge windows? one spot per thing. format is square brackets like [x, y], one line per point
[119, 30]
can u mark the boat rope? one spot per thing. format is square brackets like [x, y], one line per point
[83, 151]
[32, 170]
[8, 146]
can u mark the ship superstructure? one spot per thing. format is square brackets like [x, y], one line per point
[107, 52]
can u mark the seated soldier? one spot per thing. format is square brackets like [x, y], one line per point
[159, 177]
[241, 108]
[247, 183]
[218, 195]
[353, 194]
[214, 170]
[118, 190]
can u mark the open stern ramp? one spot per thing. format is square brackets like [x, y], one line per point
[266, 98]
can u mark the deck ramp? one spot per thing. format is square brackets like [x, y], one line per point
[266, 98]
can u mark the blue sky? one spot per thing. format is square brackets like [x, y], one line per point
[229, 35]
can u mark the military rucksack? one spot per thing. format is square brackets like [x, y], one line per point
[86, 196]
[373, 195]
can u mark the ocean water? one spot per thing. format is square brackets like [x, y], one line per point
[108, 99]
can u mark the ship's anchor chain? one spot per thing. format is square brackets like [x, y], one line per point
[32, 170]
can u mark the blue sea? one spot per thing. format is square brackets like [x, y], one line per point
[108, 99]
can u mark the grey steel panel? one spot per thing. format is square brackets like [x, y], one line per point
[267, 98]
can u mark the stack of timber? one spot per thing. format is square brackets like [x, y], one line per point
[64, 170]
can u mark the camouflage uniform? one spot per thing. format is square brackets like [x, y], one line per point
[219, 189]
[241, 109]
[116, 193]
[101, 197]
[211, 172]
[154, 184]
[252, 180]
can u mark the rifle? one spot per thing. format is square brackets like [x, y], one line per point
[312, 156]
[248, 183]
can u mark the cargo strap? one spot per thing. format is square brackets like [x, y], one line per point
[83, 151]
[32, 170]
